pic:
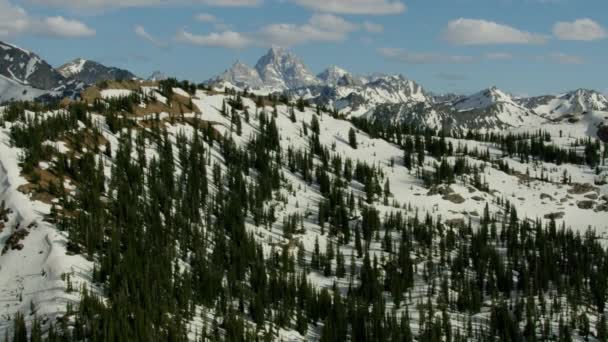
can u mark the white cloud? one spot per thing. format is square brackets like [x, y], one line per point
[581, 29]
[480, 32]
[227, 39]
[141, 32]
[404, 56]
[370, 7]
[330, 22]
[498, 56]
[206, 18]
[106, 4]
[14, 21]
[319, 28]
[562, 58]
[62, 27]
[373, 27]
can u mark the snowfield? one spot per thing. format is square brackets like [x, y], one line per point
[35, 276]
[34, 279]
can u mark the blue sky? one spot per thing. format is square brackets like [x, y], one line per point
[527, 47]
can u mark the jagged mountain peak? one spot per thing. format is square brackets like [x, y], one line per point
[240, 75]
[282, 69]
[334, 75]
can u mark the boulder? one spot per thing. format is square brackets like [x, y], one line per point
[585, 204]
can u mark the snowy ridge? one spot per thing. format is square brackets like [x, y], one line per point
[72, 68]
[574, 102]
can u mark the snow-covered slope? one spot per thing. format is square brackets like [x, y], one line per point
[574, 102]
[33, 274]
[10, 90]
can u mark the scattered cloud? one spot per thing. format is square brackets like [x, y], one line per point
[227, 39]
[62, 27]
[482, 32]
[561, 58]
[369, 7]
[404, 56]
[498, 56]
[581, 29]
[14, 20]
[319, 28]
[141, 32]
[373, 27]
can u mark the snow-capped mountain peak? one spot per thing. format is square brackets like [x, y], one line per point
[282, 69]
[241, 75]
[484, 99]
[333, 75]
[158, 76]
[72, 68]
[571, 103]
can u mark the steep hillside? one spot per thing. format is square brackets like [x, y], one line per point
[249, 217]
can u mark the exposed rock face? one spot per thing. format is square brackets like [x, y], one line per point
[27, 68]
[283, 70]
[602, 133]
[91, 72]
[585, 204]
[555, 216]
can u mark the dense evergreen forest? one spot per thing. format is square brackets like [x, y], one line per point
[168, 217]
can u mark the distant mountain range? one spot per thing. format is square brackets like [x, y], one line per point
[388, 98]
[395, 98]
[26, 76]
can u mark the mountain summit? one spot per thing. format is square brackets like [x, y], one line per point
[91, 72]
[241, 75]
[284, 70]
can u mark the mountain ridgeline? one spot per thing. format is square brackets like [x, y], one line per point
[387, 99]
[396, 99]
[26, 76]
